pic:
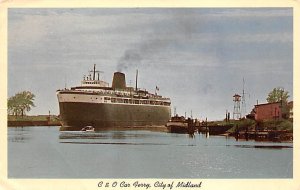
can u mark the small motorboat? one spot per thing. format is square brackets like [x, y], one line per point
[88, 128]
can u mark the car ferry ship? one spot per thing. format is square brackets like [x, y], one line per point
[95, 103]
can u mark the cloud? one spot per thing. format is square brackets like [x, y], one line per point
[251, 13]
[262, 66]
[285, 37]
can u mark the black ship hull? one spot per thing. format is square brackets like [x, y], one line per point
[76, 115]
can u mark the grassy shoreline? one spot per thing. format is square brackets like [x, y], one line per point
[38, 120]
[243, 124]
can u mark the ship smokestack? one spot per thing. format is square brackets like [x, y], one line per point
[119, 81]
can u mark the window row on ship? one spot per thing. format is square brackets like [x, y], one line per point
[118, 93]
[135, 101]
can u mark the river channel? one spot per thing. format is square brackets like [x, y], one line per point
[45, 152]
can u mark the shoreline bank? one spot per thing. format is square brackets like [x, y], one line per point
[32, 123]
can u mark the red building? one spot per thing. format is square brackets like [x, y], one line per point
[268, 111]
[291, 105]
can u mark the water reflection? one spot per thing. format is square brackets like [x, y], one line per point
[122, 138]
[146, 138]
[82, 135]
[18, 138]
[112, 143]
[107, 137]
[21, 135]
[262, 146]
[99, 135]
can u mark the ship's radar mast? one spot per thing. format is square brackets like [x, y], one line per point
[91, 80]
[94, 71]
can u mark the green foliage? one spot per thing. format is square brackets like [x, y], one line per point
[278, 94]
[53, 118]
[20, 103]
[242, 124]
[28, 118]
[246, 122]
[283, 124]
[286, 125]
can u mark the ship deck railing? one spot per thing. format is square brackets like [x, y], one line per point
[117, 92]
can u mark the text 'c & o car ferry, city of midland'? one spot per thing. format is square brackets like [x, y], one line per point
[96, 104]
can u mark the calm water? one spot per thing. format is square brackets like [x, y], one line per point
[45, 152]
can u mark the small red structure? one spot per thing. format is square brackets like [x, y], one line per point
[291, 105]
[268, 111]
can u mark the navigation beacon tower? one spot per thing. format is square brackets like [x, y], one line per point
[237, 107]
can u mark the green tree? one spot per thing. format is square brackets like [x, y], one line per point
[20, 103]
[278, 94]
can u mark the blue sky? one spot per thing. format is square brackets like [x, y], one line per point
[196, 56]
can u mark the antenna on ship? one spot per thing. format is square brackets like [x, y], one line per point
[65, 83]
[94, 71]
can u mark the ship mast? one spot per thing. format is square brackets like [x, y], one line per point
[136, 80]
[94, 73]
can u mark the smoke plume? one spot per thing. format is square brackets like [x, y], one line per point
[178, 29]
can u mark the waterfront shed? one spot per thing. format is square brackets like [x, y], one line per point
[276, 110]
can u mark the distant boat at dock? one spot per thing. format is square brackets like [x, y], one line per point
[179, 124]
[215, 129]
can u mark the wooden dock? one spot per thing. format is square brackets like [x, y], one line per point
[269, 135]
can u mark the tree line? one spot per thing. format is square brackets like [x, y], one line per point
[20, 103]
[278, 95]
